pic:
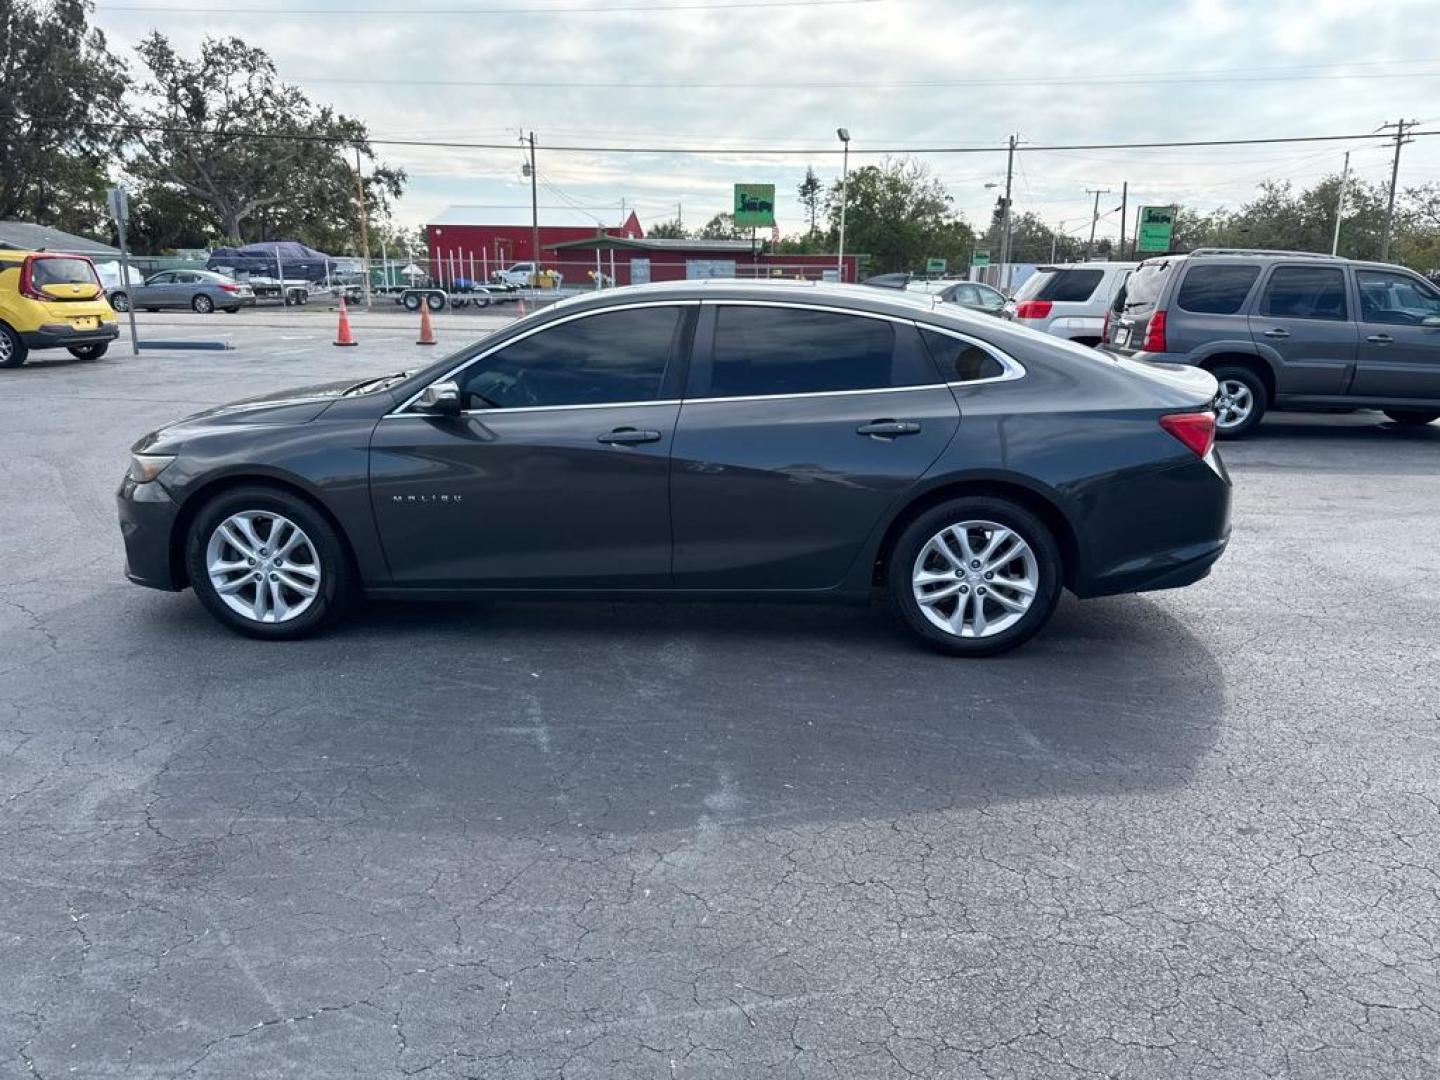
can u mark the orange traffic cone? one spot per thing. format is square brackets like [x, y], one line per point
[427, 332]
[344, 336]
[520, 308]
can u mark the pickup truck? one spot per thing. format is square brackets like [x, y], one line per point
[520, 274]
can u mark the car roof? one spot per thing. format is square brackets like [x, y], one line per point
[1093, 264]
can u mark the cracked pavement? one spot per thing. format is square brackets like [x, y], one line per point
[1185, 834]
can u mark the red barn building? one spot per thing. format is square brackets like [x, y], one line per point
[472, 241]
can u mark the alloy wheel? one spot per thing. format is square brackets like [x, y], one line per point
[7, 347]
[1233, 405]
[263, 566]
[975, 579]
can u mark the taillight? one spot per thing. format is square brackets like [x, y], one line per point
[1195, 429]
[1154, 333]
[230, 288]
[1033, 309]
[1105, 327]
[27, 281]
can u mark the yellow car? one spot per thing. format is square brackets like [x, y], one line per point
[50, 301]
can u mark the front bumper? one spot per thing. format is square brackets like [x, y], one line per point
[147, 522]
[60, 335]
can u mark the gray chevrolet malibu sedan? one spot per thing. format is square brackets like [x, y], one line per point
[701, 439]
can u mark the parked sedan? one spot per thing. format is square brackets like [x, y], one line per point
[777, 440]
[970, 294]
[202, 291]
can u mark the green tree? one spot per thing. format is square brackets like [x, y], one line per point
[57, 79]
[812, 194]
[722, 227]
[666, 230]
[254, 154]
[899, 214]
[1032, 241]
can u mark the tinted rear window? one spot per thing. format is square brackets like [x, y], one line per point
[1142, 290]
[1216, 290]
[764, 350]
[54, 271]
[1060, 285]
[960, 361]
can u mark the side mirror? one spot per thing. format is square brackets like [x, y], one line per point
[441, 398]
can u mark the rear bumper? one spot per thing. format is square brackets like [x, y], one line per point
[147, 519]
[59, 335]
[1160, 530]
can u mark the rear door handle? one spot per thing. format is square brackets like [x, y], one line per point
[1380, 339]
[888, 429]
[628, 436]
[1277, 332]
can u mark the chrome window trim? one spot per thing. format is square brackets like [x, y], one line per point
[1013, 369]
[483, 353]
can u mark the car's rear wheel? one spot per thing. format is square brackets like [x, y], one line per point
[12, 350]
[266, 564]
[1413, 417]
[1241, 403]
[89, 352]
[202, 304]
[975, 576]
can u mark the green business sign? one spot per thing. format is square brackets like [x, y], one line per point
[754, 205]
[980, 258]
[1157, 223]
[935, 266]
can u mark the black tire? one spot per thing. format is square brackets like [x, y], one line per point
[89, 352]
[12, 350]
[412, 301]
[120, 301]
[435, 301]
[482, 300]
[977, 508]
[336, 574]
[1259, 399]
[152, 310]
[202, 304]
[1413, 417]
[231, 310]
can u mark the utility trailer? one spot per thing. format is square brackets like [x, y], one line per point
[411, 298]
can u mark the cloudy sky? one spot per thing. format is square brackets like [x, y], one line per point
[743, 79]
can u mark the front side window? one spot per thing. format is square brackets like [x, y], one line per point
[1397, 299]
[606, 359]
[778, 350]
[1216, 290]
[1305, 292]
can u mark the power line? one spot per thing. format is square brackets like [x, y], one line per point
[999, 148]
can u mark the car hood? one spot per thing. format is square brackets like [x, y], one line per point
[284, 407]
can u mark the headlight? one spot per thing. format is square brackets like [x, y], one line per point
[146, 467]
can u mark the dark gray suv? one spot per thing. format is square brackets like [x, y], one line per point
[1287, 330]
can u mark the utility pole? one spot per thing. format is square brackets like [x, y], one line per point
[534, 217]
[1094, 219]
[1055, 239]
[680, 215]
[1400, 140]
[1340, 205]
[1124, 213]
[1005, 218]
[364, 235]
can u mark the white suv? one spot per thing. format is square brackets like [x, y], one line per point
[1069, 301]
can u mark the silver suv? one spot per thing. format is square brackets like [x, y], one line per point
[1287, 330]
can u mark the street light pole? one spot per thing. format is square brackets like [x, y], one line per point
[844, 135]
[1005, 219]
[534, 218]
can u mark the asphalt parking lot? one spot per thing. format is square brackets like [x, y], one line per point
[1193, 833]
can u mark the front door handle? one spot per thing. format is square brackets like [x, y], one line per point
[628, 436]
[1380, 339]
[888, 429]
[1277, 332]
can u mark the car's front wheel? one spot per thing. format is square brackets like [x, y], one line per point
[1413, 417]
[975, 576]
[267, 564]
